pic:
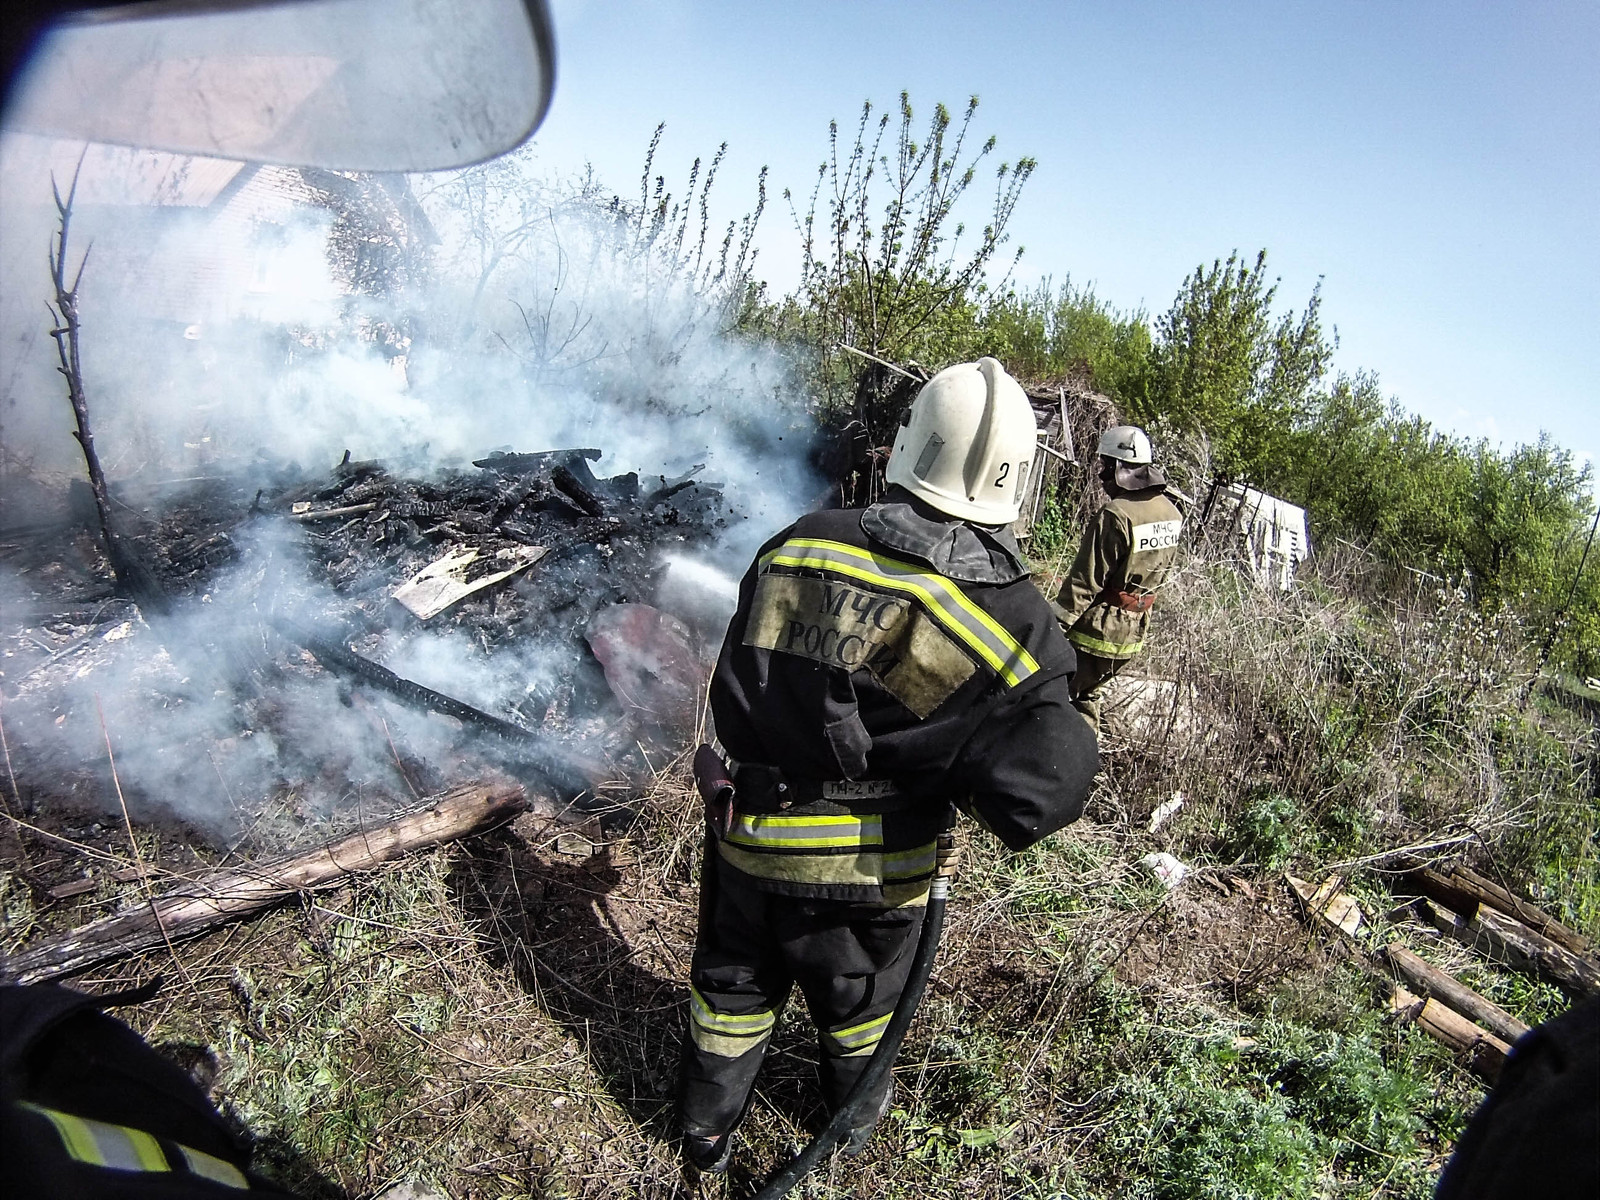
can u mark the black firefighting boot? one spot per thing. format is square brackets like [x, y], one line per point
[856, 1140]
[708, 1155]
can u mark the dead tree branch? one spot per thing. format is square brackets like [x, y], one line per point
[134, 579]
[194, 908]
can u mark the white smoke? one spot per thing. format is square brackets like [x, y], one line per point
[528, 317]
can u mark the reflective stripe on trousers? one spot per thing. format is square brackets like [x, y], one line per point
[723, 1034]
[1104, 648]
[855, 1039]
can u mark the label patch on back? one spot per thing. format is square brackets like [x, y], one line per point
[857, 789]
[1157, 535]
[845, 626]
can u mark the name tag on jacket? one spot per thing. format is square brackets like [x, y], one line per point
[1157, 535]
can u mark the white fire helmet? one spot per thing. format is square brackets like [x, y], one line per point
[1126, 443]
[967, 443]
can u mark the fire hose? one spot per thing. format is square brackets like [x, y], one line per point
[717, 790]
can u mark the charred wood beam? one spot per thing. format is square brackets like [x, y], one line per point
[196, 907]
[67, 612]
[564, 766]
[576, 491]
[348, 469]
[670, 487]
[665, 493]
[528, 464]
[329, 514]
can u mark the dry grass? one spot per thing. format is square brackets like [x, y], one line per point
[501, 1018]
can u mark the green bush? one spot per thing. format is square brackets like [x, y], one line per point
[1289, 1111]
[1048, 332]
[1261, 830]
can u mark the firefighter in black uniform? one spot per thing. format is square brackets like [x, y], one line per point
[884, 665]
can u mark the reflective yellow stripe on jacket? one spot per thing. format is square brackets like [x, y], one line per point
[901, 875]
[121, 1148]
[944, 601]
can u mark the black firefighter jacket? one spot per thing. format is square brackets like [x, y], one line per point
[883, 664]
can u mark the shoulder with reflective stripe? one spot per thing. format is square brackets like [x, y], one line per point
[122, 1148]
[952, 608]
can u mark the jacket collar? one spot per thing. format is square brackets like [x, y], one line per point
[956, 549]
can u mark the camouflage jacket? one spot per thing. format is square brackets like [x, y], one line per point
[1125, 557]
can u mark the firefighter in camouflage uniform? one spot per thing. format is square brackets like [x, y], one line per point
[1125, 557]
[884, 666]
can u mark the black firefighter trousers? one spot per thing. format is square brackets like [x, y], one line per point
[850, 960]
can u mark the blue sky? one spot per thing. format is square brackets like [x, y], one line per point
[1436, 164]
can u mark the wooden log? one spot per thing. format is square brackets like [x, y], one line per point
[1440, 887]
[575, 490]
[80, 887]
[1431, 981]
[331, 514]
[1509, 941]
[1534, 918]
[226, 896]
[566, 766]
[1481, 1052]
[1464, 890]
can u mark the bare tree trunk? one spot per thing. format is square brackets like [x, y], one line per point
[134, 579]
[229, 895]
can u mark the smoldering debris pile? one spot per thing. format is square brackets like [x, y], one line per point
[592, 541]
[365, 633]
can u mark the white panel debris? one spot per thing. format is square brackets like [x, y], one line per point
[1165, 811]
[1274, 533]
[444, 582]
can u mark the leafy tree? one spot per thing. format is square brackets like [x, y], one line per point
[1223, 365]
[884, 266]
[1521, 507]
[1048, 332]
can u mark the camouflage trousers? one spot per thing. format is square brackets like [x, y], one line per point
[1089, 683]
